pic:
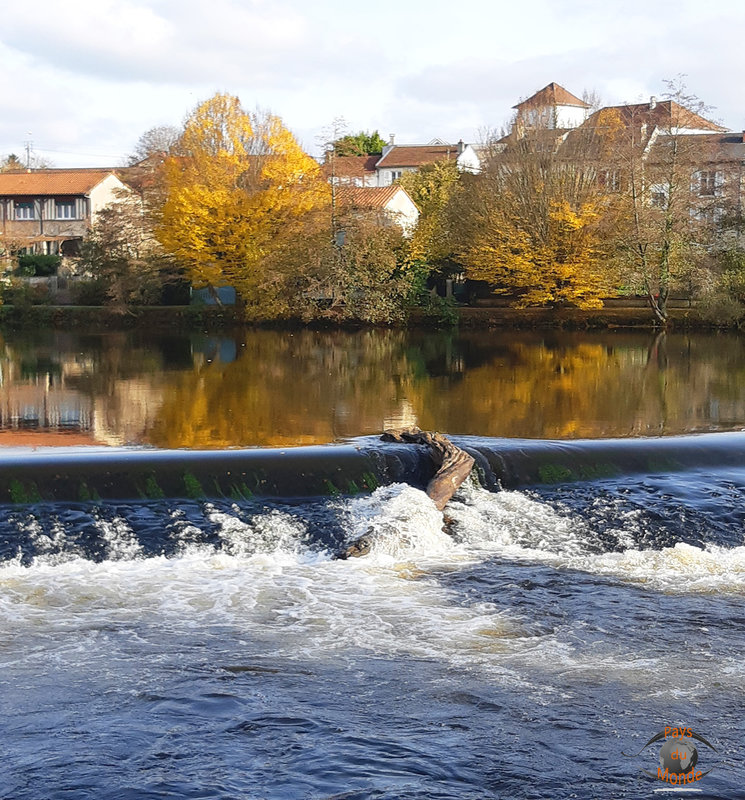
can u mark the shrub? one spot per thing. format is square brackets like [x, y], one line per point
[21, 294]
[89, 293]
[38, 266]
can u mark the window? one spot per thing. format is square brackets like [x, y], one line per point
[610, 180]
[64, 209]
[707, 183]
[658, 195]
[25, 209]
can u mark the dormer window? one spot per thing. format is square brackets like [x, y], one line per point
[24, 209]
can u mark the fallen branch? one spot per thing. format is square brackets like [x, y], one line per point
[454, 464]
[454, 467]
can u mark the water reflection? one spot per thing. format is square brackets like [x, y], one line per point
[282, 388]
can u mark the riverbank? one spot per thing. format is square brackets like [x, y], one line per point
[186, 318]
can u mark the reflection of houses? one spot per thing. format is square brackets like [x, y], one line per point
[50, 210]
[396, 159]
[392, 203]
[44, 402]
[34, 397]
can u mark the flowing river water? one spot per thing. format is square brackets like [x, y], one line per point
[580, 594]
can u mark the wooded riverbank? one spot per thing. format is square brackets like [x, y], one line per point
[187, 318]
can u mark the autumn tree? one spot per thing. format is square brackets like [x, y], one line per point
[11, 163]
[528, 225]
[239, 189]
[432, 187]
[157, 141]
[663, 230]
[123, 256]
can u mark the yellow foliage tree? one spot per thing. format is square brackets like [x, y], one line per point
[529, 226]
[238, 187]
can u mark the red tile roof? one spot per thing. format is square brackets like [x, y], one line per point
[351, 166]
[368, 197]
[664, 114]
[417, 155]
[51, 182]
[552, 95]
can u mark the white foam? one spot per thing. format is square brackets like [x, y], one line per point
[516, 526]
[264, 585]
[400, 521]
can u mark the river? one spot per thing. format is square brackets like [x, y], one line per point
[582, 593]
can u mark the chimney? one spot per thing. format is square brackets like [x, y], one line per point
[388, 147]
[461, 147]
[652, 103]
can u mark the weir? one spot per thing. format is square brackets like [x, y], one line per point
[79, 474]
[82, 474]
[524, 462]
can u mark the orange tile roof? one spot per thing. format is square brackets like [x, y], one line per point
[368, 197]
[552, 95]
[51, 182]
[417, 155]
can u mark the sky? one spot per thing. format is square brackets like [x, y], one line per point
[83, 79]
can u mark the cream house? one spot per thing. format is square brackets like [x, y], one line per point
[51, 210]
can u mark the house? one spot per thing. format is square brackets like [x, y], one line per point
[400, 158]
[553, 108]
[554, 120]
[50, 211]
[351, 170]
[391, 202]
[396, 159]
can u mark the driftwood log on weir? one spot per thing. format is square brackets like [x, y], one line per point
[454, 467]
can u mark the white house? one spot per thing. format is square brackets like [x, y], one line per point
[400, 158]
[551, 107]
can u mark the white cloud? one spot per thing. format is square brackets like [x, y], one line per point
[87, 77]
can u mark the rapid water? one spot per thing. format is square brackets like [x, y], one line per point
[214, 648]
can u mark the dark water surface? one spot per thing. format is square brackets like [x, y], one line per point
[276, 388]
[213, 648]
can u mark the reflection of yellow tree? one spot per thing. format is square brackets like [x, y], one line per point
[286, 389]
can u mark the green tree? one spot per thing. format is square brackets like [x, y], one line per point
[432, 188]
[362, 143]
